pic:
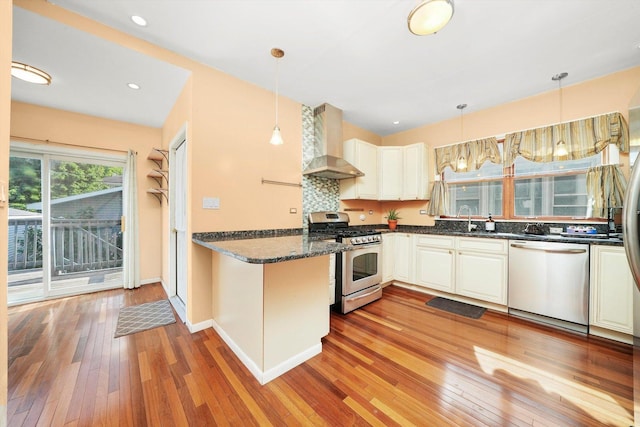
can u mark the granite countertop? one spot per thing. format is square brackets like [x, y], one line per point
[255, 248]
[586, 239]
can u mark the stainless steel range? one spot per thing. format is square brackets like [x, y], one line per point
[358, 272]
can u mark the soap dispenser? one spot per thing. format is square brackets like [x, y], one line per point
[490, 224]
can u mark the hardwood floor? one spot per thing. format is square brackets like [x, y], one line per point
[393, 362]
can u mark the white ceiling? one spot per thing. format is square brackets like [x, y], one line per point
[355, 54]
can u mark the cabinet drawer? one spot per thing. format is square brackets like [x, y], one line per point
[483, 245]
[435, 241]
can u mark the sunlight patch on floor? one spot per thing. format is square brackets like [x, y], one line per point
[597, 404]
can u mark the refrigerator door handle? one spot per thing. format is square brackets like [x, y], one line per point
[630, 223]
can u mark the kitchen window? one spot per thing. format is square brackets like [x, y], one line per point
[525, 190]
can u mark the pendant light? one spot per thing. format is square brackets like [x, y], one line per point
[561, 146]
[29, 74]
[430, 16]
[462, 160]
[276, 137]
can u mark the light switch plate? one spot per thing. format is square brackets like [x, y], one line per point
[211, 203]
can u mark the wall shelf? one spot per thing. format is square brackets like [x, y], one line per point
[158, 156]
[159, 175]
[159, 193]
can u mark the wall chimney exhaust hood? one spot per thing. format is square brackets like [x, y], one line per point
[327, 123]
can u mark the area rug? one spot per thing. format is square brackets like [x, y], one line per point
[455, 307]
[142, 317]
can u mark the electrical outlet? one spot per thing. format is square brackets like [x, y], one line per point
[210, 203]
[293, 210]
[423, 211]
[555, 230]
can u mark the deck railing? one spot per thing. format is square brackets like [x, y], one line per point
[76, 244]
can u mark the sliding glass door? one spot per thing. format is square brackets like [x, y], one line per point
[64, 225]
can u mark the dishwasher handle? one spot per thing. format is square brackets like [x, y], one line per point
[554, 251]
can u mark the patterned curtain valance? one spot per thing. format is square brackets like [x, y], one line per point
[605, 186]
[439, 203]
[583, 138]
[474, 152]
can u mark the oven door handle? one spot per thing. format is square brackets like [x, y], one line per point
[368, 294]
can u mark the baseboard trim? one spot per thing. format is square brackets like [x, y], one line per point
[264, 377]
[196, 327]
[150, 281]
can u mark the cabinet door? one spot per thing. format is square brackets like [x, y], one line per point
[388, 255]
[612, 289]
[482, 276]
[403, 260]
[415, 169]
[390, 175]
[435, 268]
[364, 156]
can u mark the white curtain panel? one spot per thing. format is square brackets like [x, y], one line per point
[131, 273]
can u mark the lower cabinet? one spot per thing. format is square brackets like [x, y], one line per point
[403, 259]
[482, 269]
[435, 262]
[612, 290]
[388, 254]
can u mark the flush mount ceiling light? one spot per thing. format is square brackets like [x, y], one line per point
[139, 20]
[29, 74]
[430, 16]
[561, 146]
[462, 160]
[276, 137]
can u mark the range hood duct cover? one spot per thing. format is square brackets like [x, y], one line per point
[327, 121]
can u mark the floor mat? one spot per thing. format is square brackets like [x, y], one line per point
[142, 317]
[455, 307]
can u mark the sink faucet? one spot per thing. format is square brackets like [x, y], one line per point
[469, 225]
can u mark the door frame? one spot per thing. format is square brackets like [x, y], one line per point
[172, 289]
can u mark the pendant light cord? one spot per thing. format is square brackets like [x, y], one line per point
[277, 78]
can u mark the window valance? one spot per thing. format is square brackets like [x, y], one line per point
[439, 204]
[606, 186]
[475, 154]
[583, 138]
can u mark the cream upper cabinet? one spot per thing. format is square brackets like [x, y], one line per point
[416, 172]
[403, 257]
[612, 290]
[388, 254]
[482, 269]
[390, 173]
[435, 262]
[364, 156]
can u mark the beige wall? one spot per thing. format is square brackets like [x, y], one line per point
[5, 115]
[110, 137]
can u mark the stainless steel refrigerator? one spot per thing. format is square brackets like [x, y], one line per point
[631, 228]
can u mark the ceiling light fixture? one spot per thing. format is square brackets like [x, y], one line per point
[139, 20]
[462, 160]
[133, 86]
[561, 146]
[276, 137]
[29, 74]
[430, 16]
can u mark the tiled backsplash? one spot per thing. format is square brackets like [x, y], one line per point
[318, 194]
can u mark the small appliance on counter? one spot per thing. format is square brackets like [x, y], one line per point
[358, 272]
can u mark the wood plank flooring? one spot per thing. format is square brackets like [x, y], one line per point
[393, 362]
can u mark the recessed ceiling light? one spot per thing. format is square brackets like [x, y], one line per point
[29, 74]
[133, 86]
[139, 20]
[397, 122]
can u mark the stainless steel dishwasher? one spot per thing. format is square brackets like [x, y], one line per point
[549, 283]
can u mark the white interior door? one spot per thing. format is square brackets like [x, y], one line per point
[180, 204]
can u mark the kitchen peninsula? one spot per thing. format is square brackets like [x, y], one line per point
[270, 296]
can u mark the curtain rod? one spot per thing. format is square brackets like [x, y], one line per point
[48, 141]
